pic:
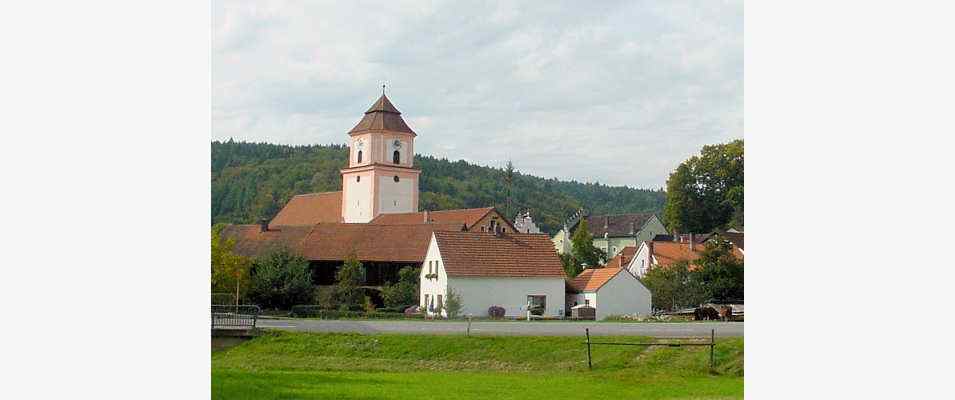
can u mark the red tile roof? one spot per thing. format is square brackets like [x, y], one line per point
[334, 242]
[667, 253]
[467, 216]
[480, 254]
[623, 257]
[309, 209]
[399, 243]
[592, 279]
[251, 241]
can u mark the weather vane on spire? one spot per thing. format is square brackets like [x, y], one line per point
[382, 89]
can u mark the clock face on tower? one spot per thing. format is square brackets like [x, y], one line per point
[359, 144]
[396, 144]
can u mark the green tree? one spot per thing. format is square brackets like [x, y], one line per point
[404, 292]
[674, 287]
[583, 249]
[280, 279]
[453, 303]
[720, 272]
[230, 272]
[705, 192]
[350, 277]
[571, 267]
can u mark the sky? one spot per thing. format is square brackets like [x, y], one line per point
[616, 92]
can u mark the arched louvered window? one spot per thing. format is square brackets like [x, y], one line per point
[396, 157]
[359, 156]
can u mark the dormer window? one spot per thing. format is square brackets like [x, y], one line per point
[396, 157]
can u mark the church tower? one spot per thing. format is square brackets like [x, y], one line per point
[380, 177]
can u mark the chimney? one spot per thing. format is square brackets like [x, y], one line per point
[606, 222]
[691, 242]
[263, 225]
[632, 230]
[649, 252]
[427, 217]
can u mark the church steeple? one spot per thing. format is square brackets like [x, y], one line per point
[382, 116]
[380, 177]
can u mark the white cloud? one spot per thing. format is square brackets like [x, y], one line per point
[616, 92]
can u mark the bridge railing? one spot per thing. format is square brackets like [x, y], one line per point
[234, 316]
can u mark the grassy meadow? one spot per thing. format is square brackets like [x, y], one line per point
[289, 365]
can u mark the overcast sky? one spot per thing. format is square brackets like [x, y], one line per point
[615, 92]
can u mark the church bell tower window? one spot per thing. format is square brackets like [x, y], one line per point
[396, 157]
[359, 156]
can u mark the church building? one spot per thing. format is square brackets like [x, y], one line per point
[376, 216]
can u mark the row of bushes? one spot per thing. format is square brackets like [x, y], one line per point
[313, 311]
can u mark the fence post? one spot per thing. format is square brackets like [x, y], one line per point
[590, 365]
[469, 326]
[712, 345]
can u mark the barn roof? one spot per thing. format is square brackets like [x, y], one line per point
[465, 216]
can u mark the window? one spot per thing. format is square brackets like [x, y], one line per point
[437, 266]
[440, 304]
[358, 178]
[396, 157]
[429, 266]
[483, 229]
[536, 304]
[586, 302]
[396, 178]
[426, 298]
[359, 156]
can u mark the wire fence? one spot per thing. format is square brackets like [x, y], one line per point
[711, 344]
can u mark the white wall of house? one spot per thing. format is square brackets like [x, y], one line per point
[624, 294]
[431, 288]
[640, 262]
[477, 294]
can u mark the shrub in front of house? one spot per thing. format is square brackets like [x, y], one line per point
[495, 312]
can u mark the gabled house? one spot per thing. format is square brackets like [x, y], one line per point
[611, 290]
[611, 233]
[516, 271]
[665, 250]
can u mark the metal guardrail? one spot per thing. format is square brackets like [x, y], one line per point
[711, 343]
[234, 316]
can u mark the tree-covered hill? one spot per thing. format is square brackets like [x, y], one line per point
[254, 180]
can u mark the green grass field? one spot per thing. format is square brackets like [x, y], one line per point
[286, 365]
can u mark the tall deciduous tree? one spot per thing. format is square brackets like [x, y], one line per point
[230, 272]
[583, 249]
[674, 286]
[720, 271]
[706, 191]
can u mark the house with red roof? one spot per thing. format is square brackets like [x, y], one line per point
[664, 250]
[611, 289]
[519, 272]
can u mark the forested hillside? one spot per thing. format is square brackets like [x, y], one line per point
[254, 180]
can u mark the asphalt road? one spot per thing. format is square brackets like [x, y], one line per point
[550, 328]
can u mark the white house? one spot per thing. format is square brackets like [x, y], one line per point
[678, 248]
[515, 271]
[611, 290]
